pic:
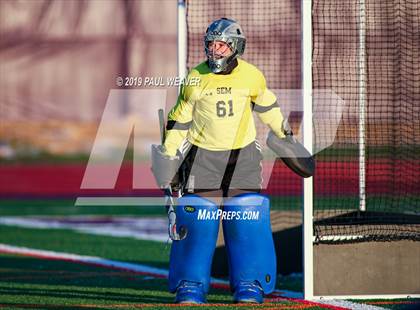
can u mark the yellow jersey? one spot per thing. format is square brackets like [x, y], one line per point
[214, 111]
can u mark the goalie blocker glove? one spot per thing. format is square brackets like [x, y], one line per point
[293, 154]
[164, 167]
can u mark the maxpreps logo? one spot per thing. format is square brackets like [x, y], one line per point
[204, 215]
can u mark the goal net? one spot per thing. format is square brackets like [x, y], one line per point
[367, 53]
[367, 184]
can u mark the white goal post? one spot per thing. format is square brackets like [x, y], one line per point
[182, 39]
[306, 65]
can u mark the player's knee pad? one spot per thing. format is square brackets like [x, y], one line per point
[191, 257]
[249, 241]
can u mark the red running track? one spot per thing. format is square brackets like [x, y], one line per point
[332, 178]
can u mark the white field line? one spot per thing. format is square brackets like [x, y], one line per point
[152, 229]
[108, 263]
[90, 260]
[349, 305]
[95, 261]
[155, 272]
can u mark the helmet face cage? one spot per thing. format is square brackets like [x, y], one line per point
[228, 31]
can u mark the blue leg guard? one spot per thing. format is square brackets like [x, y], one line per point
[249, 243]
[190, 260]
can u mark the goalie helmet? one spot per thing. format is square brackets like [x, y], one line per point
[228, 31]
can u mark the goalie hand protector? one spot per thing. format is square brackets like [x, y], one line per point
[293, 154]
[164, 167]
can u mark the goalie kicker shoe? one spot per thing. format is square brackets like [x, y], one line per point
[248, 292]
[190, 292]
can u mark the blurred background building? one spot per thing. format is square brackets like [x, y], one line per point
[59, 60]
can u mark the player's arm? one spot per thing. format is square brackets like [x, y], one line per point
[264, 103]
[179, 121]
